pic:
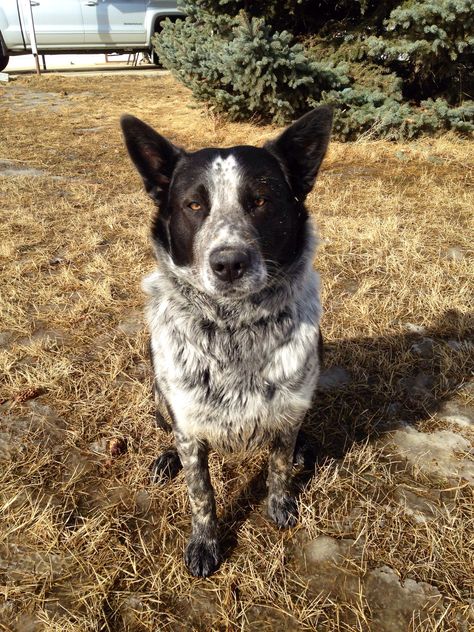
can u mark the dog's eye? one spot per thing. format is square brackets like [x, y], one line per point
[259, 201]
[194, 206]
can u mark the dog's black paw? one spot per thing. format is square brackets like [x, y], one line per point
[202, 556]
[166, 466]
[305, 454]
[282, 510]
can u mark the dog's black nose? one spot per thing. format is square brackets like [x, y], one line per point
[229, 264]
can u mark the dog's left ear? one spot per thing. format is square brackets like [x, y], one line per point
[301, 148]
[152, 154]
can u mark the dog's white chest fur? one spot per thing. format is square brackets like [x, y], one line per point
[235, 376]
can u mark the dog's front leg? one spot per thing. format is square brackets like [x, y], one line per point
[281, 501]
[202, 555]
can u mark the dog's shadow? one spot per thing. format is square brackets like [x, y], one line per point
[368, 386]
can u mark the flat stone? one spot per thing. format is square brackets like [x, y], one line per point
[454, 254]
[424, 348]
[333, 378]
[13, 431]
[461, 345]
[16, 561]
[393, 603]
[132, 324]
[413, 328]
[418, 387]
[45, 336]
[420, 509]
[441, 455]
[130, 610]
[89, 130]
[326, 549]
[5, 339]
[9, 168]
[458, 414]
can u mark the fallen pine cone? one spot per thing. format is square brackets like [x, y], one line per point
[117, 446]
[28, 393]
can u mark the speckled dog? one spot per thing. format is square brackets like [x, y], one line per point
[234, 306]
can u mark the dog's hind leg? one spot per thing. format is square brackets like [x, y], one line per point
[305, 454]
[202, 555]
[281, 501]
[166, 466]
[159, 399]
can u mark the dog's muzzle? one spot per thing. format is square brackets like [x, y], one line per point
[229, 264]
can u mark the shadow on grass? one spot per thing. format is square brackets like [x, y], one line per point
[385, 381]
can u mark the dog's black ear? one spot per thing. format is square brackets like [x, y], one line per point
[301, 148]
[153, 155]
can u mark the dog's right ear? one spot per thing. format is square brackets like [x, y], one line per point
[152, 154]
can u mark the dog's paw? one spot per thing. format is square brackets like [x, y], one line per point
[282, 510]
[202, 556]
[165, 467]
[305, 454]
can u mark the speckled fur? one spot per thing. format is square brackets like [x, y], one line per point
[236, 363]
[236, 376]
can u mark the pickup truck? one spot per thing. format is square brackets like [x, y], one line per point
[82, 26]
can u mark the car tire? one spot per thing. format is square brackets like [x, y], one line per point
[155, 60]
[4, 59]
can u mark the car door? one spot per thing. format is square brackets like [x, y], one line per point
[114, 23]
[57, 24]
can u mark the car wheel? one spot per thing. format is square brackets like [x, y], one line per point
[154, 58]
[4, 59]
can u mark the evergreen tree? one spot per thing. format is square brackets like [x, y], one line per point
[398, 69]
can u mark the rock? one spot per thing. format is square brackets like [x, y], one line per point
[5, 339]
[424, 348]
[333, 378]
[10, 168]
[413, 328]
[326, 549]
[457, 414]
[439, 455]
[56, 261]
[100, 446]
[16, 561]
[88, 130]
[392, 603]
[418, 387]
[142, 501]
[461, 345]
[45, 337]
[132, 324]
[454, 254]
[417, 507]
[130, 610]
[13, 431]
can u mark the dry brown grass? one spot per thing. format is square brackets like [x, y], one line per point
[86, 543]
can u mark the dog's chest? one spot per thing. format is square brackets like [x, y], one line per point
[235, 385]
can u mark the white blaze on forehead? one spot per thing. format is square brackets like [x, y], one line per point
[224, 182]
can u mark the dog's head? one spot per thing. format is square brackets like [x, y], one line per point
[230, 220]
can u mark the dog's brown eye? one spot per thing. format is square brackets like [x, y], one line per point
[195, 206]
[259, 201]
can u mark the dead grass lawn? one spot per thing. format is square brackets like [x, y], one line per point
[86, 542]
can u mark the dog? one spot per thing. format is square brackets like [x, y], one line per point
[233, 308]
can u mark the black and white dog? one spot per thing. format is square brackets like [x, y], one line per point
[234, 306]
